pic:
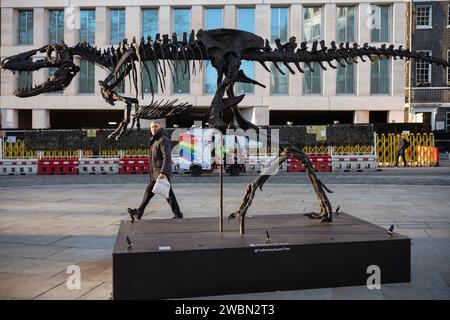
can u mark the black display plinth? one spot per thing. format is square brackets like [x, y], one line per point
[177, 258]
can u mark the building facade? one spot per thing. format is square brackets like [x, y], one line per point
[430, 84]
[360, 93]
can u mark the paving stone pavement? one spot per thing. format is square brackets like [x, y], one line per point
[44, 229]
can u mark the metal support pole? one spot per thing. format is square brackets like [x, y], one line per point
[221, 197]
[221, 183]
[242, 225]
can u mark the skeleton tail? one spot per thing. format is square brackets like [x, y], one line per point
[343, 54]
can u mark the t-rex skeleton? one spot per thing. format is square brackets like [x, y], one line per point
[225, 49]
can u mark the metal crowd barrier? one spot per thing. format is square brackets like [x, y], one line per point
[421, 152]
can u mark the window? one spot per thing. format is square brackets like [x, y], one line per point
[25, 80]
[149, 23]
[380, 24]
[146, 84]
[279, 24]
[423, 72]
[56, 26]
[116, 25]
[25, 27]
[345, 79]
[246, 19]
[447, 121]
[312, 81]
[448, 16]
[380, 77]
[181, 23]
[87, 77]
[423, 17]
[346, 24]
[87, 26]
[213, 20]
[279, 83]
[311, 23]
[246, 22]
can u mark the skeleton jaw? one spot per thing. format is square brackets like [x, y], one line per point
[57, 56]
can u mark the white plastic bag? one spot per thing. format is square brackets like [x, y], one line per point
[162, 187]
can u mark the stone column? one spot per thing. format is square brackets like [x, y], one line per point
[101, 27]
[40, 118]
[329, 34]
[133, 23]
[10, 118]
[9, 83]
[229, 18]
[363, 69]
[71, 34]
[257, 115]
[40, 27]
[196, 83]
[396, 116]
[102, 41]
[74, 88]
[296, 30]
[361, 116]
[165, 26]
[145, 123]
[262, 28]
[398, 38]
[8, 28]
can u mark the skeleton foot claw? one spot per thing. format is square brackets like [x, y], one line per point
[231, 216]
[313, 215]
[337, 210]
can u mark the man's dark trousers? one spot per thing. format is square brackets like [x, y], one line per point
[172, 200]
[401, 153]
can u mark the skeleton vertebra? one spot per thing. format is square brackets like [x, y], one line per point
[225, 49]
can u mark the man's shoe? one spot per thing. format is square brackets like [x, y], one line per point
[134, 214]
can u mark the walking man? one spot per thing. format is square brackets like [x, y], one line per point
[160, 166]
[401, 148]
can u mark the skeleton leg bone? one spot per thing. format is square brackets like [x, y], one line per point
[219, 104]
[319, 188]
[124, 124]
[253, 186]
[326, 211]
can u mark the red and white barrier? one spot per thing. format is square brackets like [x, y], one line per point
[354, 163]
[134, 165]
[99, 166]
[18, 167]
[58, 166]
[320, 163]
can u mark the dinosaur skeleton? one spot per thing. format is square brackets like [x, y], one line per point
[225, 49]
